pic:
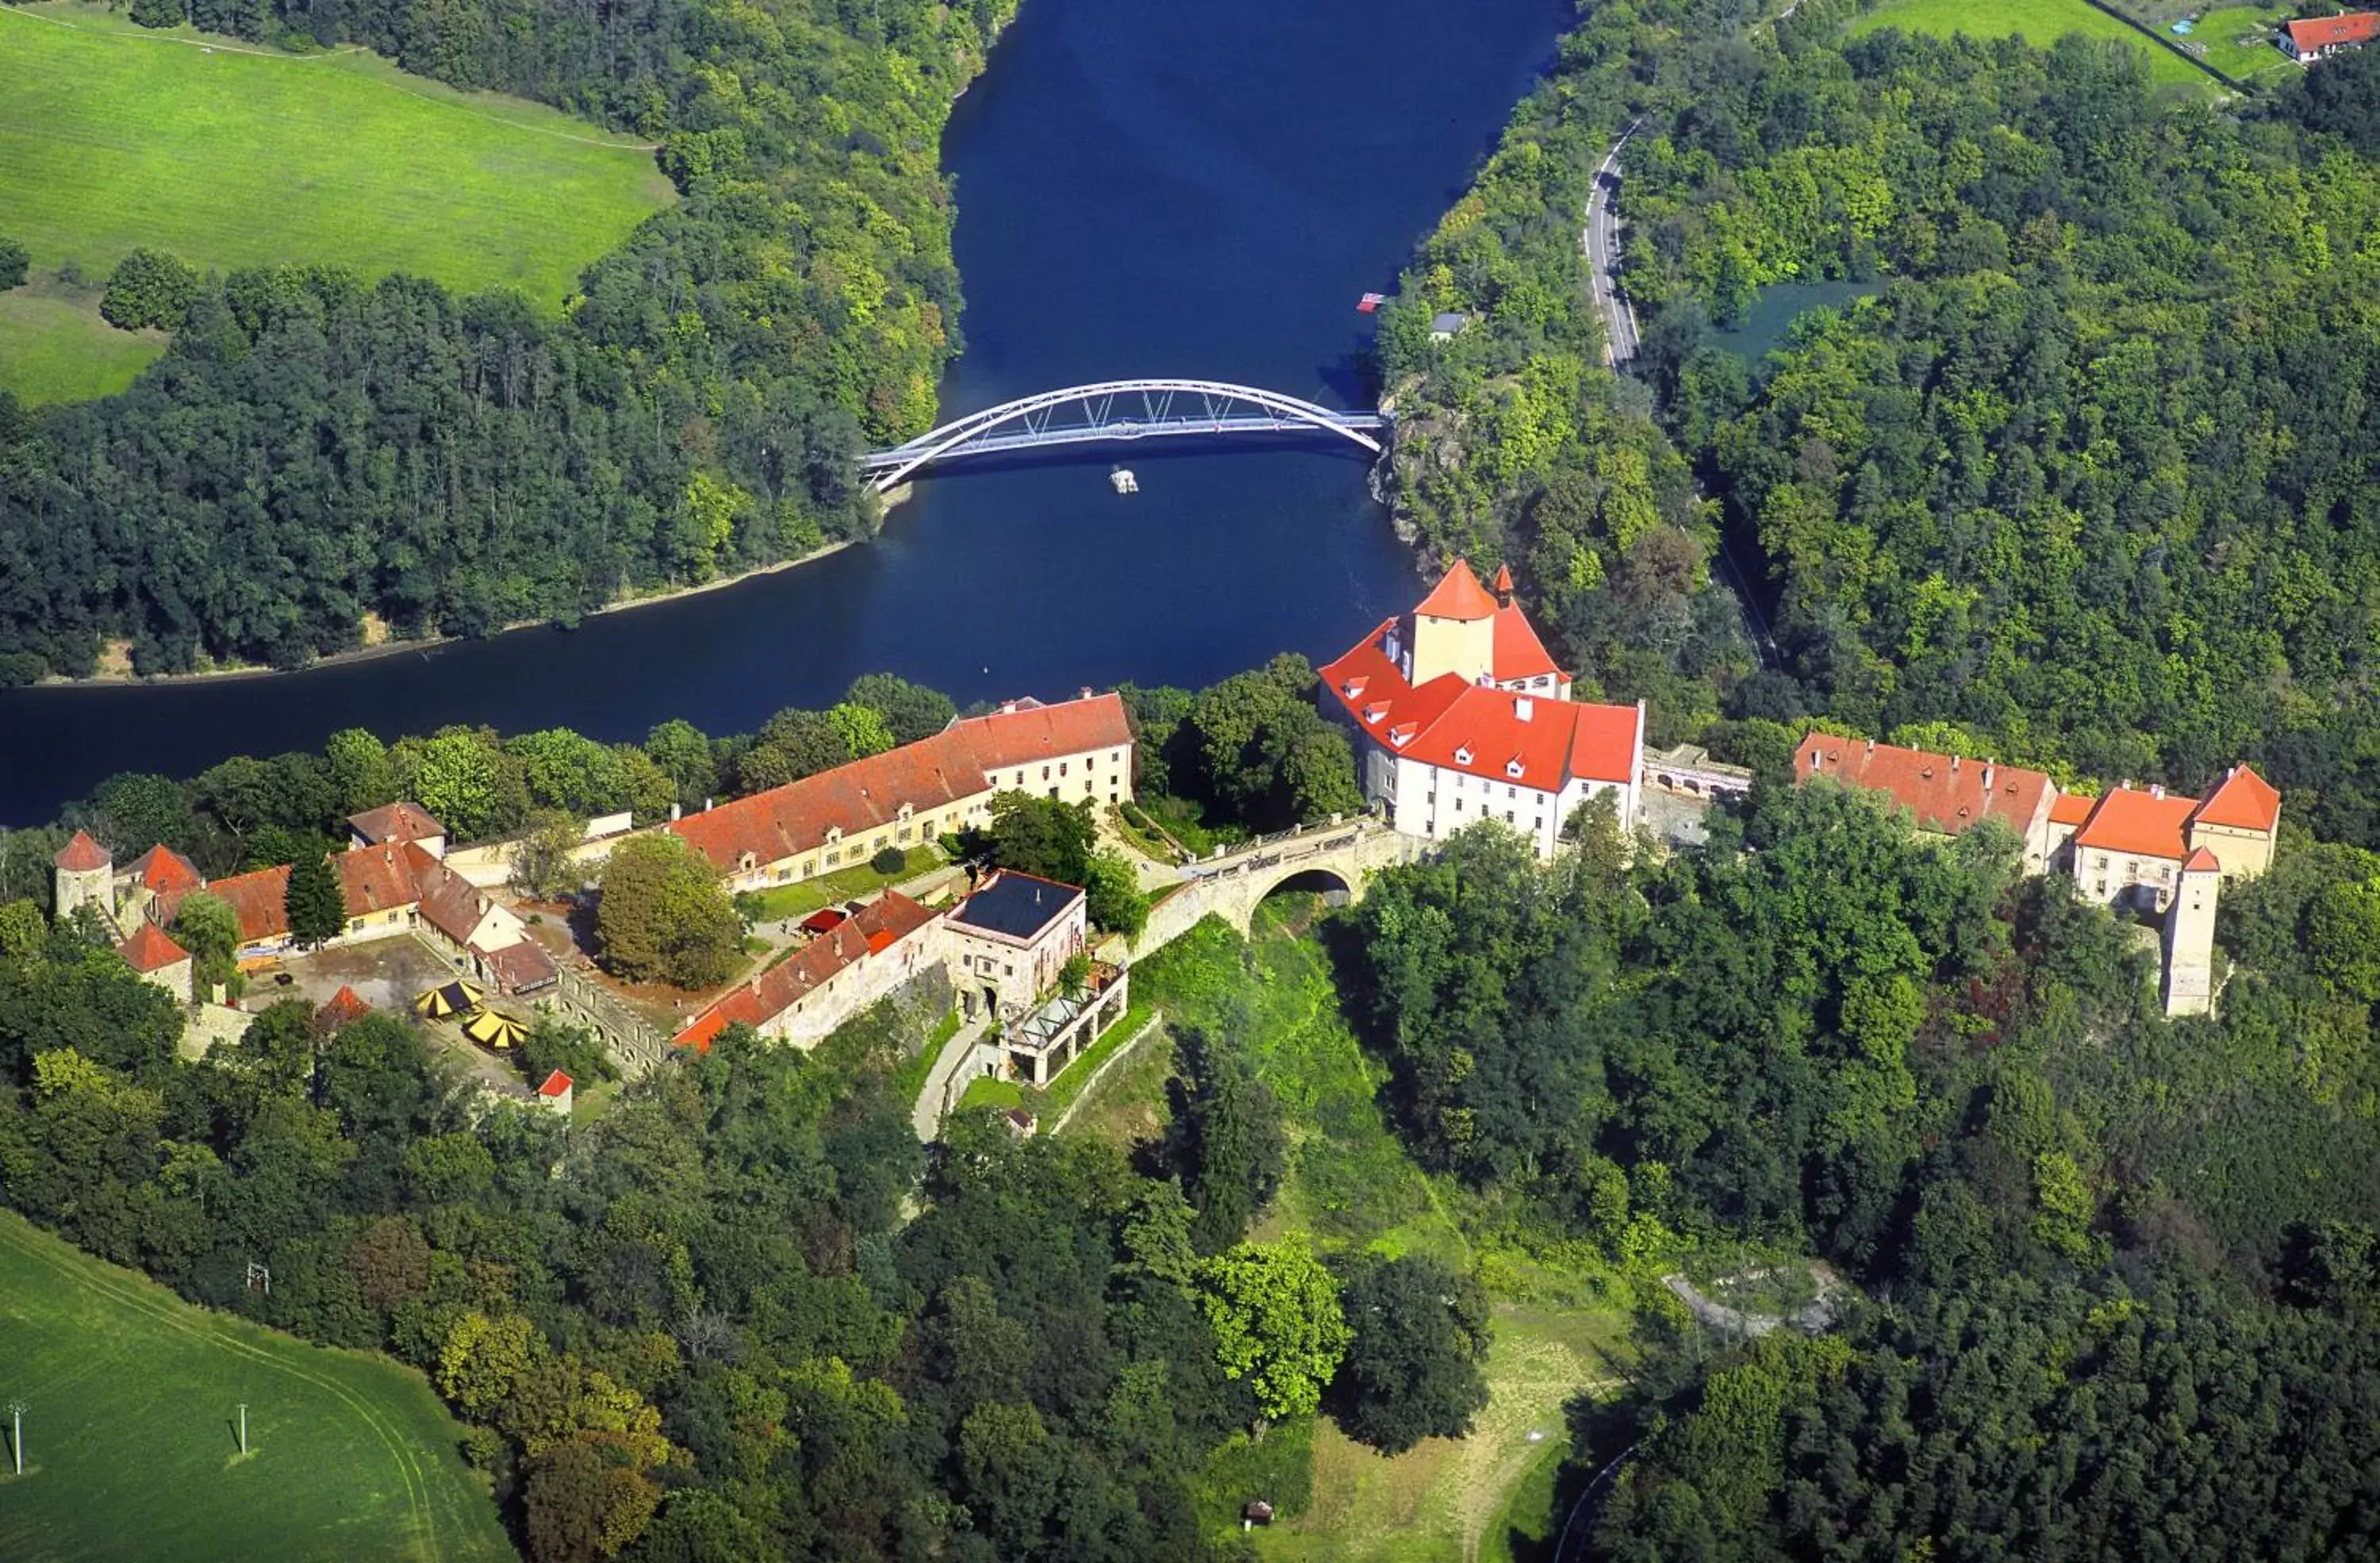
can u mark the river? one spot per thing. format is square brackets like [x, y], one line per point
[1144, 189]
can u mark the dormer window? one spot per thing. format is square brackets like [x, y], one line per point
[1512, 769]
[1462, 755]
[1374, 712]
[747, 861]
[834, 834]
[1401, 735]
[1355, 687]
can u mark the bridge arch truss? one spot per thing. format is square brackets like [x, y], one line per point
[1118, 410]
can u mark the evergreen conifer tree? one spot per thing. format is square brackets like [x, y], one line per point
[317, 910]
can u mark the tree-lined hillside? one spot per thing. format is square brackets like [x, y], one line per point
[311, 449]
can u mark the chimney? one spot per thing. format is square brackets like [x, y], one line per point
[1954, 765]
[1870, 745]
[675, 813]
[1084, 693]
[1008, 708]
[2156, 789]
[1988, 776]
[1522, 707]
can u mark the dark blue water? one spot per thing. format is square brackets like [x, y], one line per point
[1144, 189]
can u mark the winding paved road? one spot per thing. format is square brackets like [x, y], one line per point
[1601, 242]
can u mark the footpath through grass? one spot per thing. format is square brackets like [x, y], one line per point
[1353, 1187]
[2039, 22]
[114, 137]
[131, 1446]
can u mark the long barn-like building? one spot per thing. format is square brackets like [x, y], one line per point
[1077, 750]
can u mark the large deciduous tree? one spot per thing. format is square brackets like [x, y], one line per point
[1412, 1367]
[665, 917]
[1274, 1311]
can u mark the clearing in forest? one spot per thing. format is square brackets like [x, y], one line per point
[1352, 1186]
[2039, 22]
[131, 1432]
[228, 154]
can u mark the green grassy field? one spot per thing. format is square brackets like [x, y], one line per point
[131, 1444]
[113, 137]
[2040, 22]
[2238, 41]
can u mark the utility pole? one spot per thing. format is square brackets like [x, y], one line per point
[243, 1427]
[16, 1443]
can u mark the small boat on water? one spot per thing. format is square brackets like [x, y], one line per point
[1370, 302]
[1123, 482]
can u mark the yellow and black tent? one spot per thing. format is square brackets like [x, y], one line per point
[442, 1003]
[492, 1030]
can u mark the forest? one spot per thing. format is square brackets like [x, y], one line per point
[2084, 482]
[314, 453]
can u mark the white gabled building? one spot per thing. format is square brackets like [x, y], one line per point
[1464, 716]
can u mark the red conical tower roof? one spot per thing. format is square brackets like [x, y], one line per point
[82, 854]
[1458, 595]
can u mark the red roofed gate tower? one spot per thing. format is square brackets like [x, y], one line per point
[1462, 716]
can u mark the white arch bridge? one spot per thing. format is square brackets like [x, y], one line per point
[1117, 410]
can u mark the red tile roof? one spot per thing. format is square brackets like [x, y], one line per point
[149, 949]
[1503, 582]
[1518, 653]
[162, 869]
[2335, 32]
[1945, 792]
[945, 768]
[1458, 595]
[2146, 824]
[343, 1008]
[1447, 719]
[82, 854]
[450, 902]
[882, 921]
[2202, 862]
[260, 902]
[1032, 732]
[555, 1084]
[395, 824]
[2242, 800]
[521, 965]
[2071, 808]
[375, 879]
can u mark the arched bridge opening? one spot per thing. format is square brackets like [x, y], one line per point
[1117, 411]
[1331, 887]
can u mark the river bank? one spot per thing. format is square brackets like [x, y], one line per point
[374, 652]
[1146, 190]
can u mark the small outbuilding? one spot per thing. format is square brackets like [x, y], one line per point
[554, 1096]
[1448, 326]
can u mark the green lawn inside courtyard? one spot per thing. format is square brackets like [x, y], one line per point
[806, 896]
[2039, 22]
[228, 154]
[131, 1446]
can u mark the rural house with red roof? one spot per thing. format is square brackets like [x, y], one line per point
[2162, 854]
[1462, 716]
[153, 954]
[2315, 38]
[1075, 750]
[400, 884]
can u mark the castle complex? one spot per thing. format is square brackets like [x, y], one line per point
[2144, 849]
[1460, 716]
